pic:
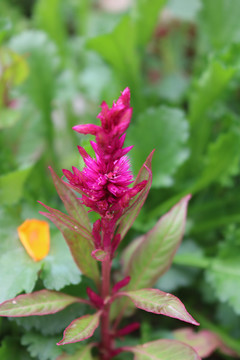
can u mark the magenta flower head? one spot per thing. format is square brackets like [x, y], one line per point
[104, 181]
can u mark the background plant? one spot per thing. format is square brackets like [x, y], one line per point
[183, 71]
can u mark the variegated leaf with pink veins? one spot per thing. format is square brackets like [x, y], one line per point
[163, 350]
[159, 302]
[151, 255]
[80, 329]
[41, 302]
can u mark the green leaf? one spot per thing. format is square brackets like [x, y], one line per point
[145, 18]
[155, 251]
[206, 90]
[10, 349]
[71, 202]
[138, 201]
[220, 160]
[41, 347]
[224, 277]
[80, 247]
[80, 329]
[159, 302]
[58, 268]
[41, 302]
[166, 130]
[11, 185]
[18, 272]
[221, 26]
[163, 350]
[82, 354]
[48, 16]
[118, 49]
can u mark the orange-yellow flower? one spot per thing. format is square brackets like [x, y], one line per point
[35, 237]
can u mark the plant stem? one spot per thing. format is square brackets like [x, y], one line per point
[105, 292]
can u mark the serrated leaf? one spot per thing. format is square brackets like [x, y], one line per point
[18, 272]
[159, 302]
[221, 27]
[72, 204]
[80, 247]
[42, 347]
[204, 342]
[219, 162]
[163, 350]
[59, 268]
[41, 302]
[137, 202]
[224, 276]
[155, 251]
[206, 91]
[158, 126]
[80, 329]
[82, 354]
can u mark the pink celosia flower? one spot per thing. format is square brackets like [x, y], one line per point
[104, 181]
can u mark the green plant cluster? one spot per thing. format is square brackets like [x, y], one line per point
[181, 61]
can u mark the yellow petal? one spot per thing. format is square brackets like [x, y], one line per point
[35, 237]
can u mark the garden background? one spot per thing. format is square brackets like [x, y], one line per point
[181, 60]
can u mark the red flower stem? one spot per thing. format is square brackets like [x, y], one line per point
[105, 331]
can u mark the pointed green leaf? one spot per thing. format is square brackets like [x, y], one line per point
[163, 350]
[220, 164]
[72, 204]
[81, 329]
[118, 48]
[41, 302]
[137, 202]
[146, 18]
[80, 248]
[155, 251]
[159, 302]
[82, 354]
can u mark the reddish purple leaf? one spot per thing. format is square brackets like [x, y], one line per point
[80, 329]
[72, 204]
[80, 248]
[120, 284]
[204, 342]
[159, 302]
[68, 221]
[41, 302]
[137, 202]
[163, 350]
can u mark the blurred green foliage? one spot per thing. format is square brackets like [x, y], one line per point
[58, 60]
